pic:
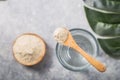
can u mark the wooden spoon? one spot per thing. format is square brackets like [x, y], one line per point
[63, 36]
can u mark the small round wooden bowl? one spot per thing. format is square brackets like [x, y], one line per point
[42, 54]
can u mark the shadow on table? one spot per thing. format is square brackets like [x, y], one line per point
[45, 64]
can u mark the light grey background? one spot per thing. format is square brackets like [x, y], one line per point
[43, 17]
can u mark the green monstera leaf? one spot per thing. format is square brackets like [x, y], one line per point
[103, 23]
[111, 46]
[104, 19]
[107, 29]
[108, 5]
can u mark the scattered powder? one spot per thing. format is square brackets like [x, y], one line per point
[61, 34]
[27, 49]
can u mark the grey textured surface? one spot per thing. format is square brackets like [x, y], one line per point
[43, 17]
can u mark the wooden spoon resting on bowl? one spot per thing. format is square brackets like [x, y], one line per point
[63, 36]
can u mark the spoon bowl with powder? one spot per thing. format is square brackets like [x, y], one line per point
[64, 37]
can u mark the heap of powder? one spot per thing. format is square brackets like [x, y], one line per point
[28, 49]
[61, 34]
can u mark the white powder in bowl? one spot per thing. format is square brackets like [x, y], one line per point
[29, 49]
[61, 34]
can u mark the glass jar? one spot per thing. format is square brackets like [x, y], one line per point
[70, 58]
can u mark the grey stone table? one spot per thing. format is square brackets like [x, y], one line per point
[43, 17]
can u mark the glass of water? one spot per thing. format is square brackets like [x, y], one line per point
[70, 58]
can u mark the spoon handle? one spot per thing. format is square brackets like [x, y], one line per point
[97, 64]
